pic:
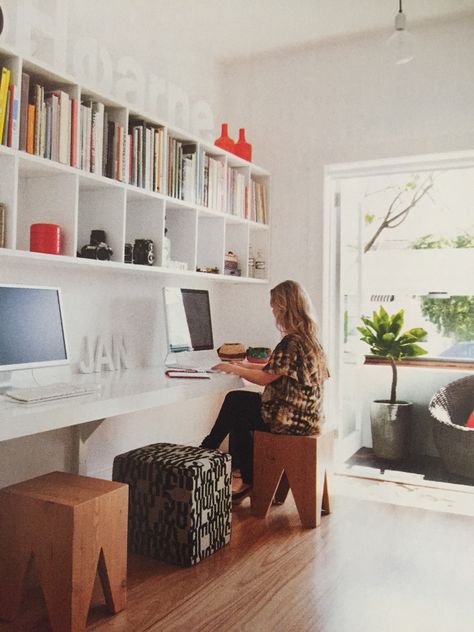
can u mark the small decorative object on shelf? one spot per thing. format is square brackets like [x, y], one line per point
[260, 267]
[230, 351]
[242, 148]
[208, 269]
[224, 141]
[251, 263]
[2, 225]
[258, 355]
[128, 253]
[231, 264]
[98, 248]
[166, 252]
[144, 252]
[45, 238]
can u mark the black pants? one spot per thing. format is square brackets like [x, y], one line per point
[239, 417]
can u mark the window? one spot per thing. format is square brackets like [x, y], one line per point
[407, 242]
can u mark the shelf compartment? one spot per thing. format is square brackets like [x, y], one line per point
[237, 241]
[101, 207]
[46, 195]
[8, 188]
[145, 219]
[210, 243]
[181, 223]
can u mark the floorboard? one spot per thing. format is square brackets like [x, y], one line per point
[373, 565]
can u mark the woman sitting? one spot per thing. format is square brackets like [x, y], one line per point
[291, 402]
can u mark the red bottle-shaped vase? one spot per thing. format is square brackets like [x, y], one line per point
[242, 147]
[224, 141]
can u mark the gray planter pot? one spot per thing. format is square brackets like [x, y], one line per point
[391, 424]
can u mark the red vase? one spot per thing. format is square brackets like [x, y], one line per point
[224, 141]
[242, 147]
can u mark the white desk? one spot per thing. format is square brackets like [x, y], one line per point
[122, 392]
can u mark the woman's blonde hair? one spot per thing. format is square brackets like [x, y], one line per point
[294, 312]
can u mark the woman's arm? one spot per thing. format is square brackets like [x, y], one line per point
[254, 375]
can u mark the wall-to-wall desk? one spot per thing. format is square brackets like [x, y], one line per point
[122, 392]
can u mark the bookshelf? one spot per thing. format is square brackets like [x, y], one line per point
[125, 172]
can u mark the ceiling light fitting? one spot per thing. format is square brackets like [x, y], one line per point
[400, 43]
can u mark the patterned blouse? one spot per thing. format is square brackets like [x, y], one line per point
[292, 404]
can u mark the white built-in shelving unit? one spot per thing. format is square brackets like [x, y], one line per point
[35, 189]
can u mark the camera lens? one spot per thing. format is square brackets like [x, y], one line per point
[102, 253]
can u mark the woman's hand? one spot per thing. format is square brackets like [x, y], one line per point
[224, 367]
[254, 375]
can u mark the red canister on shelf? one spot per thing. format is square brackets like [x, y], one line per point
[45, 238]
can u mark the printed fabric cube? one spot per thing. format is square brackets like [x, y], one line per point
[179, 501]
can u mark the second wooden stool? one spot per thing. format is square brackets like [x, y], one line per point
[298, 462]
[72, 525]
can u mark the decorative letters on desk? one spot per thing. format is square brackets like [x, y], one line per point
[109, 354]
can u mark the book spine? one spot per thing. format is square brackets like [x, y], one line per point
[15, 118]
[31, 129]
[73, 132]
[4, 83]
[7, 118]
[25, 91]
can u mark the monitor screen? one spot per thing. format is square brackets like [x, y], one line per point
[31, 328]
[188, 319]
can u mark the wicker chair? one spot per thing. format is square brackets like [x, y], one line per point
[450, 407]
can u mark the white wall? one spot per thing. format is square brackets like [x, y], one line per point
[342, 102]
[127, 47]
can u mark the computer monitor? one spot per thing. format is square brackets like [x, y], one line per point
[31, 328]
[188, 320]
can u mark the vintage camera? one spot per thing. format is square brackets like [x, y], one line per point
[143, 252]
[98, 248]
[128, 253]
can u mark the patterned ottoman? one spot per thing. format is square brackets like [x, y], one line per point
[179, 501]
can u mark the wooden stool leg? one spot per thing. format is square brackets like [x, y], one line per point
[324, 462]
[113, 555]
[266, 476]
[282, 490]
[67, 566]
[15, 555]
[301, 470]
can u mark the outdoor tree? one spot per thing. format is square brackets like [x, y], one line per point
[406, 198]
[453, 316]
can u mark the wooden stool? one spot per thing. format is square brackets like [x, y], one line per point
[72, 525]
[299, 462]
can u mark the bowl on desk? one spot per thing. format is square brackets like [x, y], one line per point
[258, 355]
[231, 352]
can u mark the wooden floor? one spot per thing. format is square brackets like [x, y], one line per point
[371, 567]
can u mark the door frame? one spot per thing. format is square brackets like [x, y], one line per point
[332, 307]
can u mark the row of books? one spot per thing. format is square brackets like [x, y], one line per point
[182, 170]
[46, 124]
[237, 194]
[258, 202]
[8, 109]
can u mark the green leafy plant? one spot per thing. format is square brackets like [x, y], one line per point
[383, 334]
[453, 316]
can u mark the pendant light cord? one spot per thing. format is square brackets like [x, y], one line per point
[400, 10]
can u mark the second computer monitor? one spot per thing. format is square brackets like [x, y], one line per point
[188, 319]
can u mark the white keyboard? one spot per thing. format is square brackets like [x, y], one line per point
[61, 390]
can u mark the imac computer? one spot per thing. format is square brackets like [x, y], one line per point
[189, 328]
[31, 330]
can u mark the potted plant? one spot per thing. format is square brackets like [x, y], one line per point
[390, 419]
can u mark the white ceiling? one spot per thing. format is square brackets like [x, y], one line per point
[237, 28]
